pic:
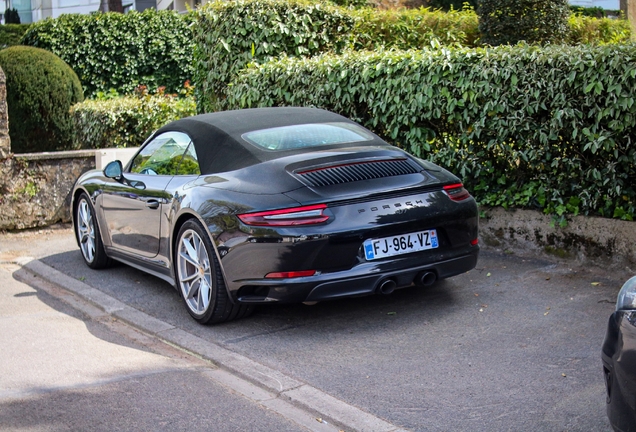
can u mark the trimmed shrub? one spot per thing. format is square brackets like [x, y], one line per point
[10, 34]
[230, 34]
[524, 126]
[126, 121]
[533, 21]
[595, 31]
[120, 51]
[40, 90]
[413, 28]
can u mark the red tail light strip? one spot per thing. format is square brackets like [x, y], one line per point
[306, 215]
[456, 192]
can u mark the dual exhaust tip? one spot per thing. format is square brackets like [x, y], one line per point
[424, 278]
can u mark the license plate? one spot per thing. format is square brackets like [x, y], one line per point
[401, 244]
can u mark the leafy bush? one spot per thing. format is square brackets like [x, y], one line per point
[413, 28]
[113, 50]
[115, 121]
[40, 90]
[533, 21]
[601, 31]
[230, 34]
[524, 126]
[10, 34]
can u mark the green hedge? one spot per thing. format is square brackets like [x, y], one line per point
[524, 126]
[597, 31]
[120, 51]
[413, 28]
[421, 28]
[10, 34]
[125, 121]
[232, 33]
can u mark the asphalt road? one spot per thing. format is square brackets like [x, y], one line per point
[511, 345]
[62, 370]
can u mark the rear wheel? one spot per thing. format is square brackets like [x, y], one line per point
[199, 278]
[88, 235]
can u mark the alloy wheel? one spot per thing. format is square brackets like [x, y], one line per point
[195, 275]
[86, 230]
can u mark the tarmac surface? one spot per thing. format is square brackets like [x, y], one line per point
[69, 365]
[66, 370]
[512, 345]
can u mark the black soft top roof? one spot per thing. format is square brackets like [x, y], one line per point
[217, 136]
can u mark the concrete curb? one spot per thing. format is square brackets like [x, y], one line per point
[258, 382]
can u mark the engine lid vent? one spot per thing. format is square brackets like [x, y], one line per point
[356, 171]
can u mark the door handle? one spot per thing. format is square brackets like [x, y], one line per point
[152, 203]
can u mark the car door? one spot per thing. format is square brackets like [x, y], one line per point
[133, 206]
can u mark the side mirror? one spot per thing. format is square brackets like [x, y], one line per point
[114, 170]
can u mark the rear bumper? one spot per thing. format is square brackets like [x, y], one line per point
[362, 279]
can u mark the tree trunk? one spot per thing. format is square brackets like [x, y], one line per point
[628, 7]
[111, 6]
[115, 6]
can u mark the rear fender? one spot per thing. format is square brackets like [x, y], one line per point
[186, 215]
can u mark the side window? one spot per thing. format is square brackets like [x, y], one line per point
[162, 155]
[189, 164]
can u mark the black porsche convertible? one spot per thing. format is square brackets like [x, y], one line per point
[248, 207]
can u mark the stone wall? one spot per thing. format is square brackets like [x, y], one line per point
[586, 239]
[36, 187]
[5, 142]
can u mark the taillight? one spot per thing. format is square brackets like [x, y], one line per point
[306, 215]
[456, 192]
[291, 274]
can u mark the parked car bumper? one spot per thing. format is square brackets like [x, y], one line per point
[619, 367]
[363, 279]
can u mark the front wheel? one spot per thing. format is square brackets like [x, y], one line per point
[199, 278]
[88, 236]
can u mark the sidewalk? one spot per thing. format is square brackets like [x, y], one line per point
[68, 365]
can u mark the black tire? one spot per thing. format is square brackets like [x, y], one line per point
[199, 278]
[88, 235]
